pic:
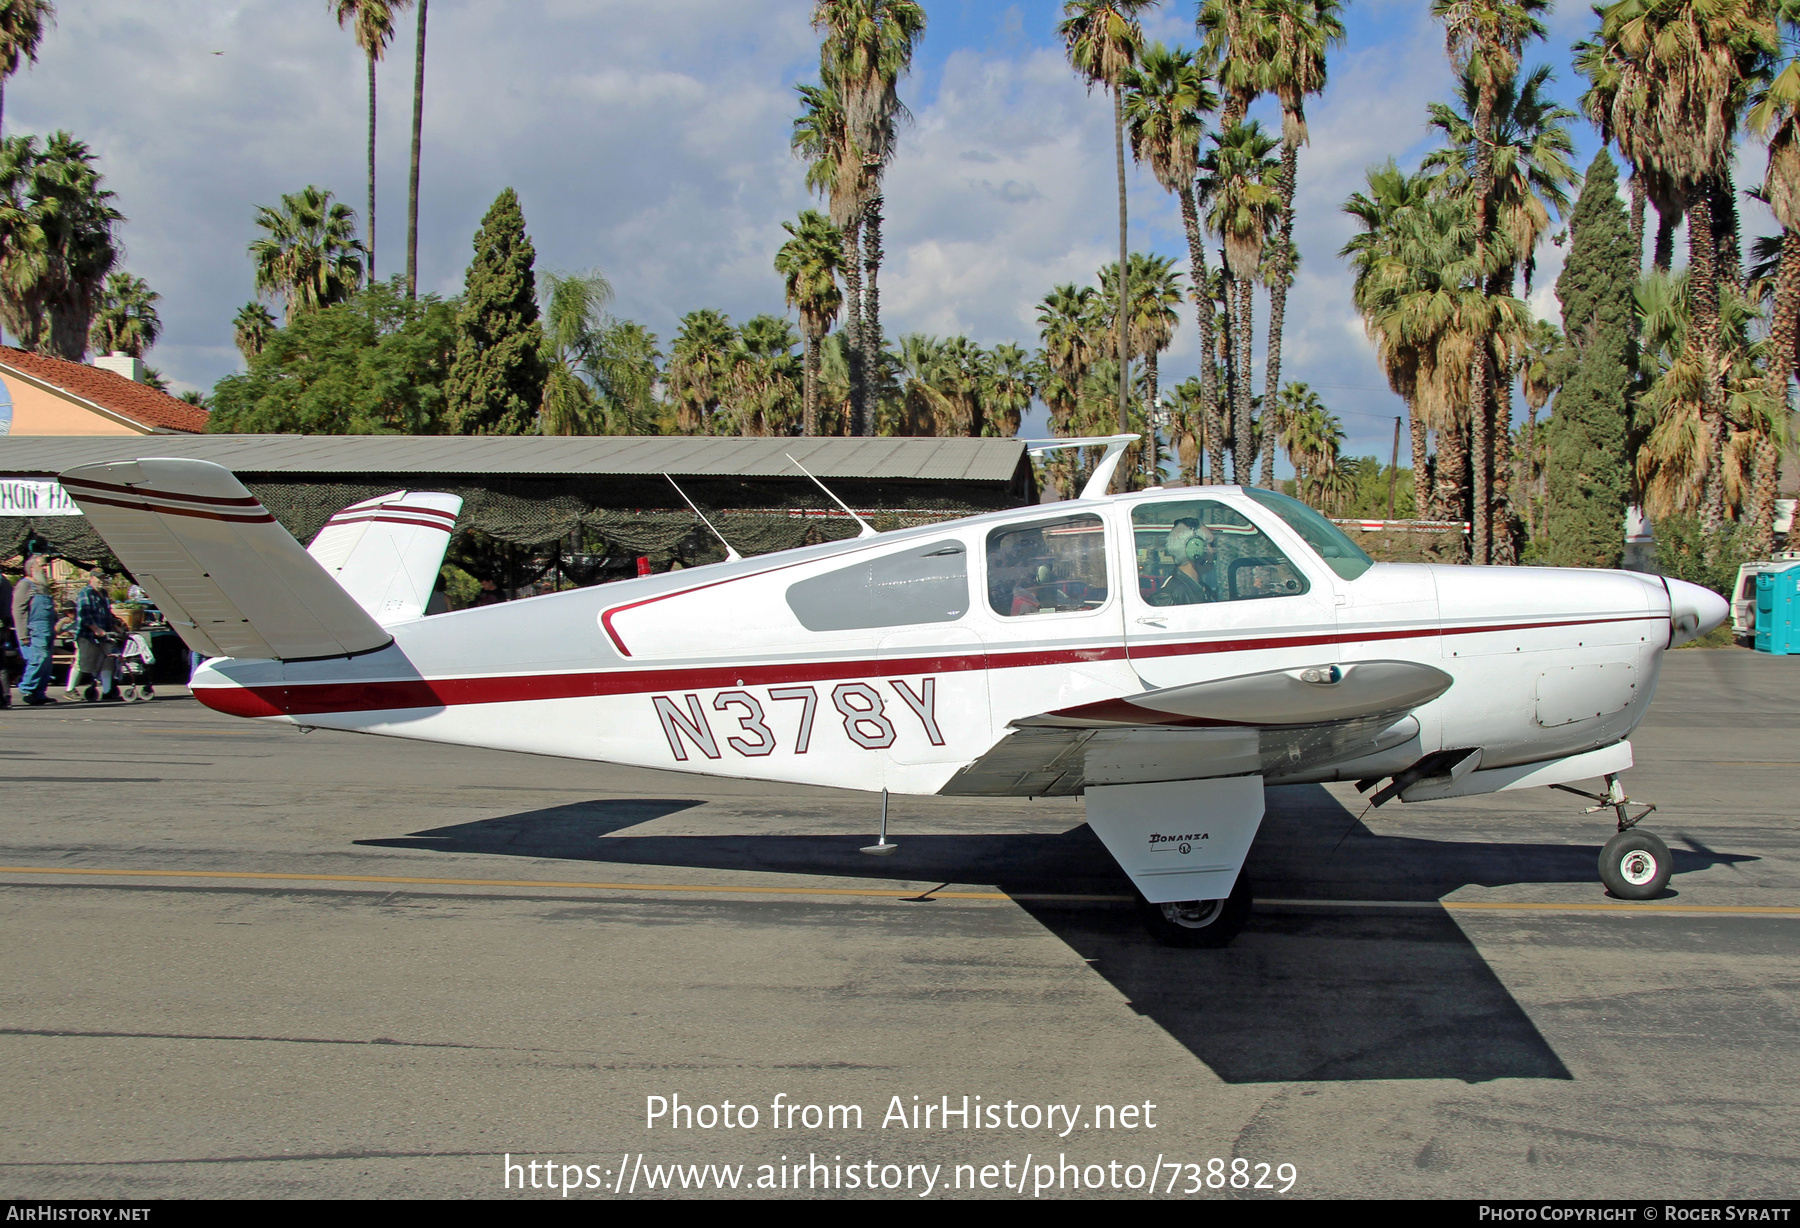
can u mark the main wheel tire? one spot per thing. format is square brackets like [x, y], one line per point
[1201, 923]
[1635, 865]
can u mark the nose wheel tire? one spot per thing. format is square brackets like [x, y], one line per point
[1635, 865]
[1200, 923]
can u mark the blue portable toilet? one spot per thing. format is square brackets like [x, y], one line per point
[1778, 611]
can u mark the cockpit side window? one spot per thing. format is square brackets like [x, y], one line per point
[1196, 551]
[1048, 566]
[1331, 543]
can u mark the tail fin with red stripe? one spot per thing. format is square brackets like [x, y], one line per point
[386, 551]
[231, 580]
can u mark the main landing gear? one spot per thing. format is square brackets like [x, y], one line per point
[1634, 865]
[1200, 923]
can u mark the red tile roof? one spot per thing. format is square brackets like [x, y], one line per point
[136, 402]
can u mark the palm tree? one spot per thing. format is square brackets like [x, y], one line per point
[809, 262]
[126, 322]
[1155, 289]
[835, 171]
[1103, 39]
[699, 370]
[572, 307]
[1684, 69]
[1298, 413]
[1166, 96]
[1776, 117]
[1603, 72]
[309, 256]
[22, 26]
[1676, 466]
[1240, 38]
[621, 367]
[1390, 191]
[1530, 148]
[760, 387]
[1010, 384]
[1240, 184]
[1540, 375]
[1303, 31]
[1484, 39]
[1425, 299]
[868, 47]
[412, 183]
[1189, 422]
[942, 382]
[251, 329]
[1067, 319]
[57, 242]
[372, 23]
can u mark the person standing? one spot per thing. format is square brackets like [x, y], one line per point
[97, 635]
[7, 641]
[34, 615]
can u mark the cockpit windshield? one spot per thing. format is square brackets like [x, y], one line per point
[1341, 554]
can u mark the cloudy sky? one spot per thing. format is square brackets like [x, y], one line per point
[651, 142]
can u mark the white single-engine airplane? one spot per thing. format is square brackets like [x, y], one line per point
[1165, 653]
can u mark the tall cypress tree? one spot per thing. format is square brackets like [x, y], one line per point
[1587, 476]
[496, 380]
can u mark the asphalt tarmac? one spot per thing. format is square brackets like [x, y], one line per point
[266, 963]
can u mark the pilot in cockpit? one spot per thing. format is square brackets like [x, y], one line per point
[1194, 580]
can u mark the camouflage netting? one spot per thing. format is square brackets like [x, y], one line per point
[618, 516]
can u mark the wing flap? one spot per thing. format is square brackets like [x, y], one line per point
[234, 582]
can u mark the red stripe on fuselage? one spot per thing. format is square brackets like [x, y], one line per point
[312, 699]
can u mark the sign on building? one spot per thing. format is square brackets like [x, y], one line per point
[35, 497]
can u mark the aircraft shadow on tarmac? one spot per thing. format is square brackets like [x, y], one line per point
[1337, 995]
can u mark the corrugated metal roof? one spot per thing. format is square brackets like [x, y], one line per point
[942, 460]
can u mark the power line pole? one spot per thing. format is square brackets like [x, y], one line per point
[1394, 469]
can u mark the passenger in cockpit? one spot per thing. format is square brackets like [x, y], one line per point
[1193, 581]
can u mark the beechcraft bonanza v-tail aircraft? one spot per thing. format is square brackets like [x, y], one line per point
[1164, 653]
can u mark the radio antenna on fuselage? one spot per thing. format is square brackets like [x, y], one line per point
[868, 530]
[1115, 446]
[731, 555]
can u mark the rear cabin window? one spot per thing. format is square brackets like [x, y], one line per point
[927, 584]
[1196, 551]
[1047, 567]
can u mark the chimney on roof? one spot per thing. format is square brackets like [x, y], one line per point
[121, 363]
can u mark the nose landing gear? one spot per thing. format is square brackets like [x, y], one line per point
[1634, 865]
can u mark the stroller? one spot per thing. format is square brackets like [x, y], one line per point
[134, 662]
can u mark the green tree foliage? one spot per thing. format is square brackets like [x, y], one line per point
[496, 382]
[1588, 467]
[374, 365]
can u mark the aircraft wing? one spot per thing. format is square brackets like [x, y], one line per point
[1252, 723]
